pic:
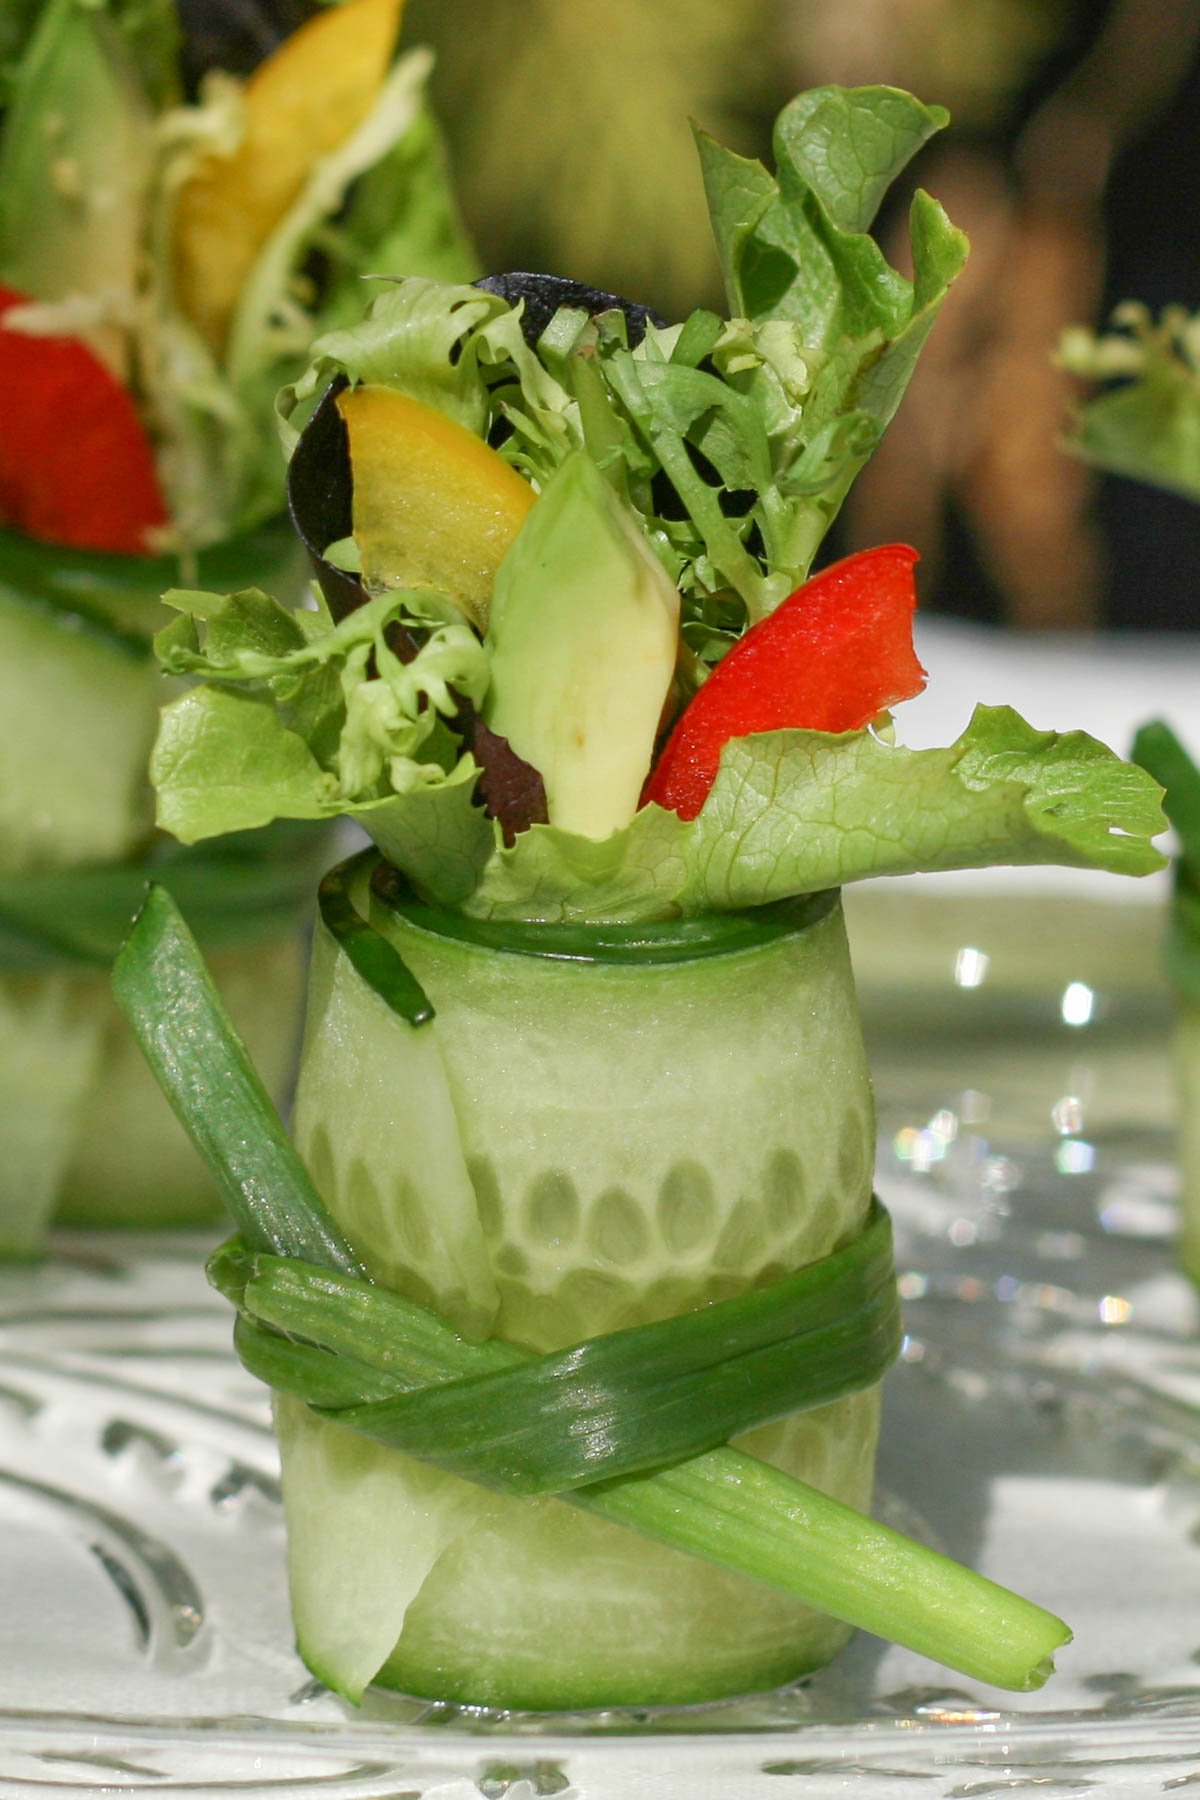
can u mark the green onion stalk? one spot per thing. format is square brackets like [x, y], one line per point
[569, 1283]
[141, 454]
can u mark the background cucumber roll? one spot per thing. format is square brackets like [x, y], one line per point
[159, 222]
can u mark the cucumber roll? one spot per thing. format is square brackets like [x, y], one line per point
[83, 1134]
[573, 1264]
[157, 242]
[600, 1130]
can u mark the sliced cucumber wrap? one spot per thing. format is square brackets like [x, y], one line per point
[81, 1122]
[85, 1136]
[570, 1146]
[1187, 1080]
[77, 716]
[80, 688]
[50, 1044]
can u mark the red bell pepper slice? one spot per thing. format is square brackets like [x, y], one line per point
[76, 465]
[829, 658]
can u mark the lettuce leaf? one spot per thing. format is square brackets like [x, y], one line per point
[792, 812]
[795, 249]
[225, 761]
[796, 810]
[302, 718]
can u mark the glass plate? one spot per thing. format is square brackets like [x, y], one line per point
[1043, 1424]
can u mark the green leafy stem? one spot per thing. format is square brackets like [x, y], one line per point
[1157, 749]
[314, 1325]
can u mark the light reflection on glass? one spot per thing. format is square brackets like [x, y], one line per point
[974, 1107]
[1075, 1156]
[944, 1125]
[1113, 1310]
[945, 1715]
[1066, 1115]
[1059, 1246]
[1078, 1003]
[919, 1149]
[1000, 1175]
[971, 967]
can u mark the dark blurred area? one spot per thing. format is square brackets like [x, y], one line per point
[1073, 163]
[234, 34]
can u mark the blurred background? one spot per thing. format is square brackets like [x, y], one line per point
[1072, 162]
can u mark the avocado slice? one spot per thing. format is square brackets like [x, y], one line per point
[583, 635]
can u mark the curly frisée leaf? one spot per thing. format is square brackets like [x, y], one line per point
[305, 719]
[793, 812]
[759, 423]
[436, 343]
[795, 249]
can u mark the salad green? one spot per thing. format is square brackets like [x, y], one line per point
[1147, 423]
[103, 239]
[731, 445]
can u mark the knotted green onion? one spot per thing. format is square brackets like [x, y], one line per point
[613, 1405]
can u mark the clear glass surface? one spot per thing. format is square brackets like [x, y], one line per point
[1043, 1424]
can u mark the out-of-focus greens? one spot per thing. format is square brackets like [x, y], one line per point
[195, 246]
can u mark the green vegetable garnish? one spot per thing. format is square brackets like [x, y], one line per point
[1157, 749]
[177, 241]
[1147, 423]
[171, 236]
[730, 445]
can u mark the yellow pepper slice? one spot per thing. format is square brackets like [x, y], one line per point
[300, 104]
[434, 506]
